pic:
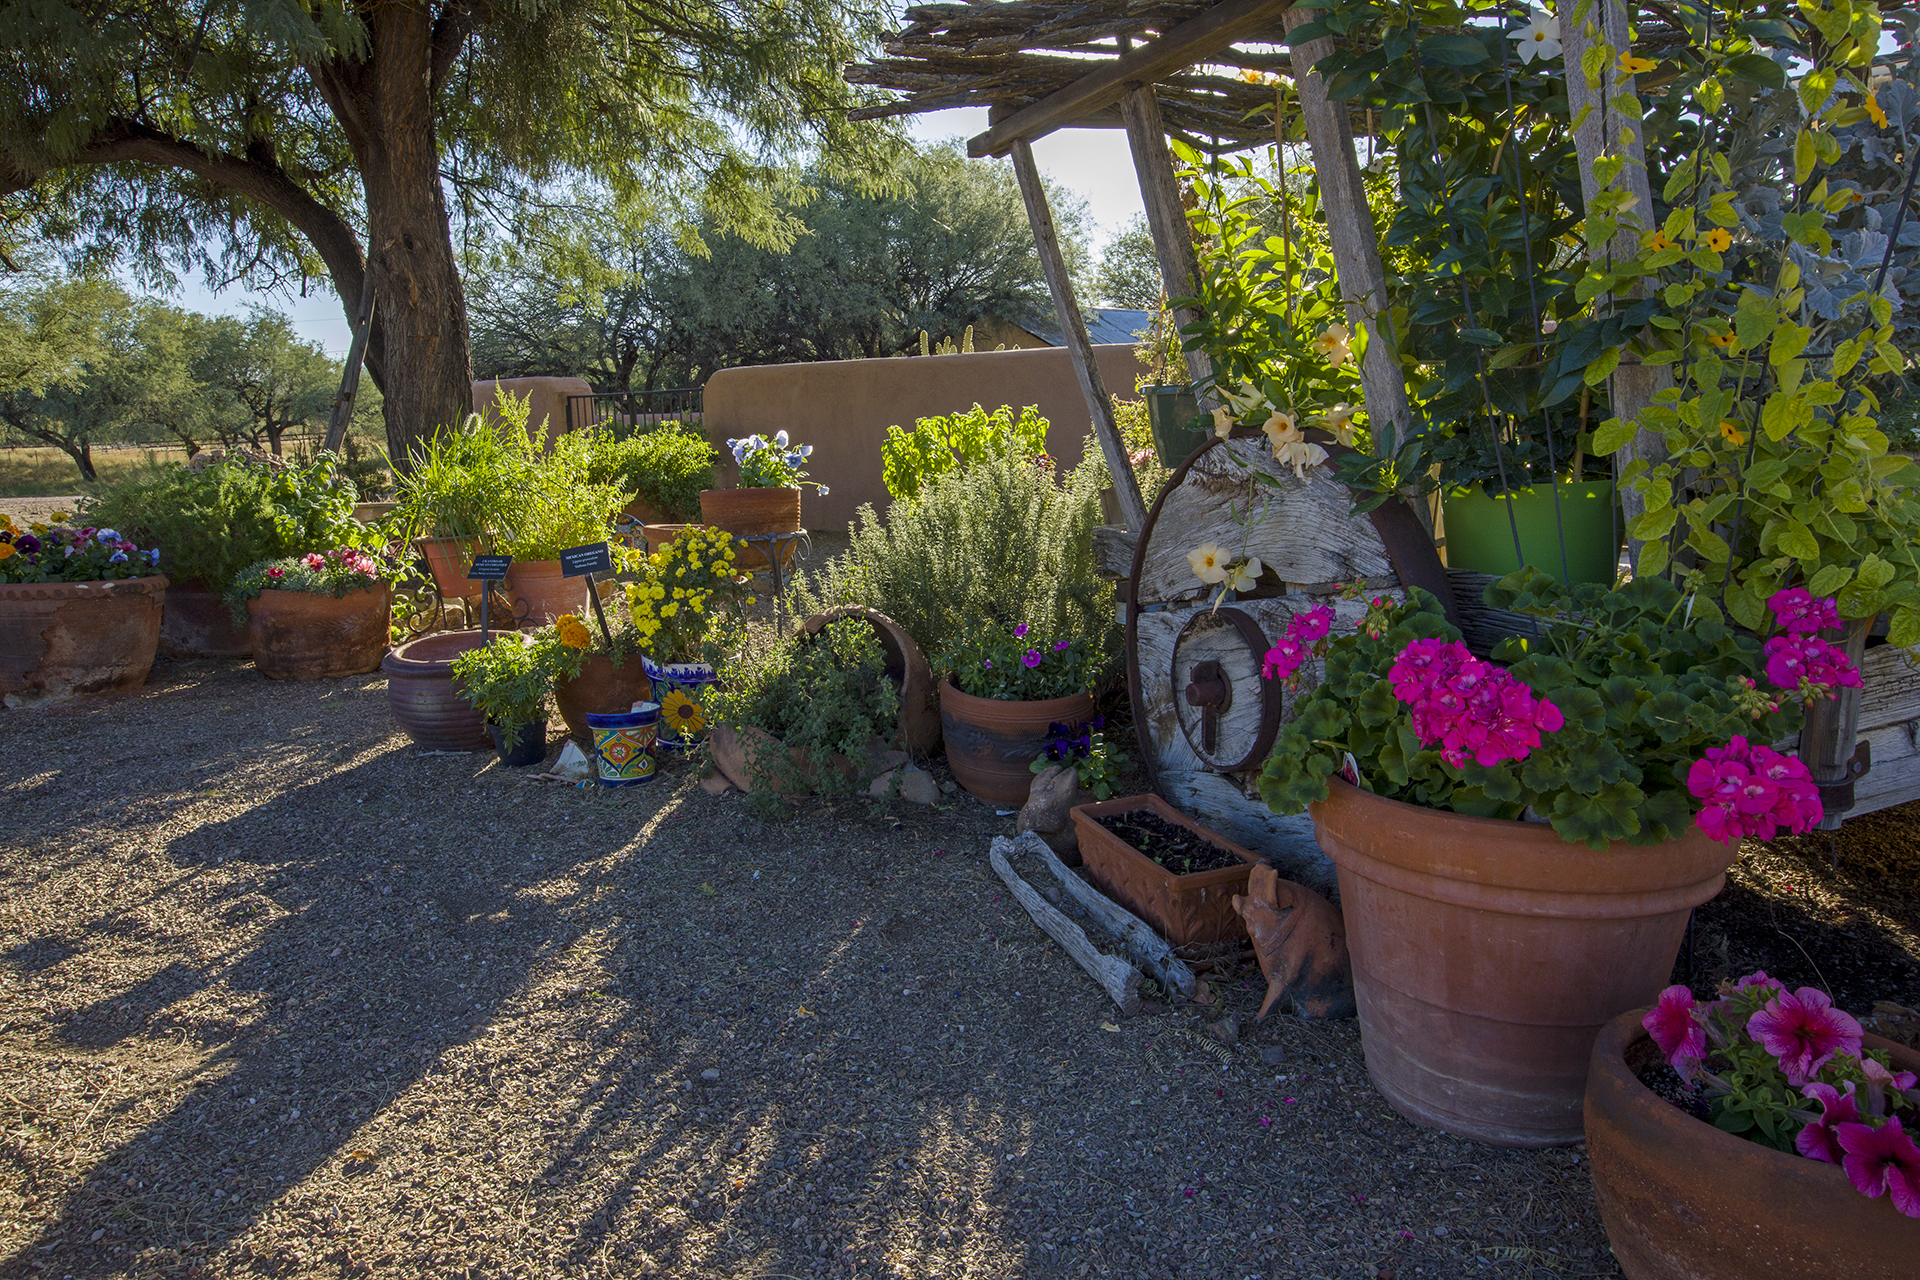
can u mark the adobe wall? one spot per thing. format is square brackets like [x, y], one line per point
[844, 407]
[549, 398]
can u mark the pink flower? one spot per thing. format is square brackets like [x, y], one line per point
[1469, 708]
[1758, 978]
[1797, 611]
[1883, 1161]
[1672, 1026]
[313, 561]
[1818, 1140]
[1809, 666]
[276, 573]
[1804, 1031]
[1058, 645]
[1285, 658]
[1752, 790]
[1032, 659]
[1312, 626]
[1879, 1075]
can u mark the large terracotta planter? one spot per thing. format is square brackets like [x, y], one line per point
[991, 741]
[59, 639]
[749, 759]
[196, 623]
[1189, 910]
[749, 511]
[659, 535]
[601, 688]
[449, 559]
[297, 635]
[422, 697]
[1682, 1200]
[541, 593]
[1487, 955]
[907, 667]
[643, 512]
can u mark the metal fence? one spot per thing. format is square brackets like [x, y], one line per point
[634, 408]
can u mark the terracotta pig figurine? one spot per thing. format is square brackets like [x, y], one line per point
[1301, 942]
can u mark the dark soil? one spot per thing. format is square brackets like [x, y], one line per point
[1168, 843]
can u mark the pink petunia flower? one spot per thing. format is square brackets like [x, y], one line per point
[1879, 1075]
[1032, 659]
[1672, 1025]
[1883, 1161]
[1819, 1140]
[1804, 1031]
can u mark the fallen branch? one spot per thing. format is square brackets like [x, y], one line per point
[1116, 977]
[1136, 937]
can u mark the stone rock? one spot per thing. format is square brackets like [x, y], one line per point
[1049, 810]
[715, 784]
[573, 764]
[1227, 1030]
[710, 1076]
[916, 785]
[1273, 1055]
[1300, 940]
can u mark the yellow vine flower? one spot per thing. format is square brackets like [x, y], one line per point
[1732, 434]
[1719, 240]
[1632, 66]
[1209, 563]
[1874, 111]
[1659, 241]
[1724, 341]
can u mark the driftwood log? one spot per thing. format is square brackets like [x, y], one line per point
[1120, 980]
[1135, 936]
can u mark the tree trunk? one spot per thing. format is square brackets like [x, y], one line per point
[82, 455]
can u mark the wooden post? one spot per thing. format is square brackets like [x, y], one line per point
[1166, 214]
[350, 376]
[1356, 248]
[1073, 333]
[1634, 384]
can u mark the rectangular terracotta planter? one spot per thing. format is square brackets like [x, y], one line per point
[1187, 910]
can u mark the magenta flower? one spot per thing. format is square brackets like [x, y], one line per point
[1312, 626]
[1032, 659]
[1797, 611]
[1758, 978]
[1285, 658]
[1673, 1028]
[1020, 632]
[987, 663]
[1819, 1139]
[1885, 1079]
[1804, 1031]
[1058, 645]
[1752, 790]
[1883, 1161]
[276, 573]
[1809, 666]
[1469, 708]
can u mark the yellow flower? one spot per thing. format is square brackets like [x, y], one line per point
[1242, 577]
[1732, 434]
[1874, 111]
[694, 563]
[1280, 429]
[1222, 422]
[6, 550]
[668, 610]
[1724, 341]
[1340, 422]
[1632, 66]
[682, 713]
[659, 591]
[6, 523]
[1658, 241]
[38, 527]
[1333, 345]
[679, 593]
[573, 633]
[61, 517]
[1718, 240]
[1209, 563]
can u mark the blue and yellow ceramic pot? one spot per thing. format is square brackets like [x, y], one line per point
[681, 689]
[623, 743]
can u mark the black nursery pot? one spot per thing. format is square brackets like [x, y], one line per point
[531, 748]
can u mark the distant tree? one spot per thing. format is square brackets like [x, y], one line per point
[1129, 272]
[267, 378]
[70, 374]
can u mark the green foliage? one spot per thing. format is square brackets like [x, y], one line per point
[462, 482]
[337, 572]
[508, 681]
[826, 695]
[1646, 686]
[1129, 270]
[939, 445]
[991, 659]
[1006, 540]
[1098, 765]
[215, 521]
[666, 469]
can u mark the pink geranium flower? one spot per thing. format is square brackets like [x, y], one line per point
[1804, 1031]
[1312, 626]
[1883, 1161]
[1284, 658]
[1809, 666]
[1673, 1027]
[1819, 1140]
[1797, 611]
[1752, 790]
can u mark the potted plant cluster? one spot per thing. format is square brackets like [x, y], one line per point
[453, 496]
[688, 604]
[555, 507]
[1519, 842]
[80, 610]
[1006, 691]
[319, 616]
[1741, 1137]
[768, 498]
[507, 682]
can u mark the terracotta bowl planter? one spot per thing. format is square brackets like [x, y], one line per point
[196, 623]
[659, 535]
[59, 639]
[449, 559]
[1682, 1200]
[745, 511]
[301, 636]
[1488, 954]
[421, 694]
[541, 593]
[747, 758]
[1186, 910]
[991, 741]
[907, 667]
[601, 688]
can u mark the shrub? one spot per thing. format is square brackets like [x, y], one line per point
[666, 468]
[941, 445]
[465, 479]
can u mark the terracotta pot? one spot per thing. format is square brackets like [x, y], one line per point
[907, 667]
[602, 688]
[659, 535]
[991, 741]
[747, 757]
[421, 694]
[196, 623]
[449, 559]
[297, 635]
[644, 512]
[1488, 954]
[59, 639]
[744, 511]
[1185, 910]
[541, 593]
[1682, 1200]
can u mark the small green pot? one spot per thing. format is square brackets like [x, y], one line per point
[1480, 537]
[1172, 412]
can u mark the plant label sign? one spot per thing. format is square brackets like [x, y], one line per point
[489, 569]
[592, 558]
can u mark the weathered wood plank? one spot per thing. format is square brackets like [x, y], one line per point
[1166, 215]
[1895, 776]
[1136, 937]
[1891, 692]
[1116, 977]
[1113, 550]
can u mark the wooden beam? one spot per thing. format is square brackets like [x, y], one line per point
[350, 376]
[1166, 214]
[1073, 334]
[1186, 44]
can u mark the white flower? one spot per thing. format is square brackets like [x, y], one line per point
[1281, 430]
[1300, 455]
[780, 439]
[1333, 345]
[1209, 563]
[1540, 38]
[1222, 422]
[1339, 421]
[1241, 577]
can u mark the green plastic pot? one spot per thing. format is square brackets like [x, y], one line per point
[1171, 412]
[1480, 537]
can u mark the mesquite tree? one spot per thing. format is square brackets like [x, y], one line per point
[274, 140]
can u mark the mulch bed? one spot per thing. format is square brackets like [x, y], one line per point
[282, 996]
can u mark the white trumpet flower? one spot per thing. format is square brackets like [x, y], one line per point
[1540, 38]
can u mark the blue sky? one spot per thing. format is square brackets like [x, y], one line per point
[1094, 163]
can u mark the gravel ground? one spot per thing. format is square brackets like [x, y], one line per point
[282, 996]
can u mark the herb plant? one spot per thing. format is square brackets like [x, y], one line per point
[945, 443]
[665, 468]
[508, 681]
